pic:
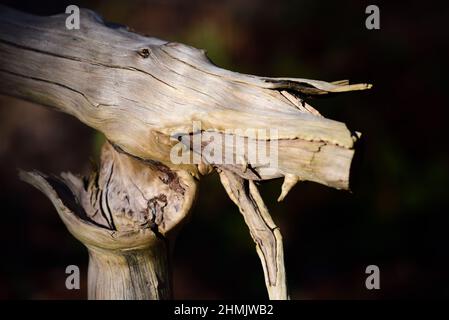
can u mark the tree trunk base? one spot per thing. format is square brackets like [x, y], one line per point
[124, 213]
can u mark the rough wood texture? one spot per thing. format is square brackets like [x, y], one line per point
[266, 235]
[141, 92]
[124, 214]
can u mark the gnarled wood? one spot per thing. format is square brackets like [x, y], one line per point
[264, 232]
[124, 213]
[139, 91]
[144, 94]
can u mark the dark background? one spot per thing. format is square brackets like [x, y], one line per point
[396, 217]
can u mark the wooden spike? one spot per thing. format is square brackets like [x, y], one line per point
[290, 181]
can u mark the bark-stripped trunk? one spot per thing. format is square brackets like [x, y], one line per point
[124, 214]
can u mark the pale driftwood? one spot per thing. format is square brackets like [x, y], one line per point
[141, 91]
[266, 235]
[124, 214]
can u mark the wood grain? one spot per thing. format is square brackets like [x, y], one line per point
[125, 213]
[144, 94]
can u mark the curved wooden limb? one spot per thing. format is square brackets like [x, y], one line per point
[264, 232]
[141, 91]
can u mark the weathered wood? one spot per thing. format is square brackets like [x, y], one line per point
[142, 92]
[265, 233]
[139, 91]
[124, 213]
